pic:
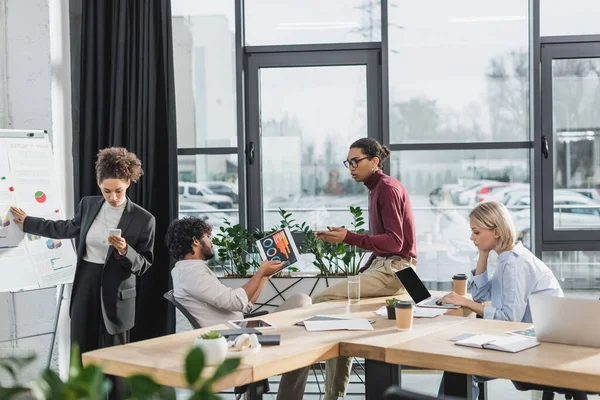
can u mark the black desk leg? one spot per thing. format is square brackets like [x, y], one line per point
[255, 391]
[457, 385]
[379, 377]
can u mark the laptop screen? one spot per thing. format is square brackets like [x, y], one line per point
[413, 284]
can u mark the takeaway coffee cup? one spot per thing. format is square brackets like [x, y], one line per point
[404, 315]
[459, 284]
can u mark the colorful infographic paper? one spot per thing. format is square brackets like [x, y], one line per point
[279, 246]
[28, 181]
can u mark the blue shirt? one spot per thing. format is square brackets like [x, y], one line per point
[519, 275]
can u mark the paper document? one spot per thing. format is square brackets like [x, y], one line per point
[342, 324]
[421, 312]
[510, 344]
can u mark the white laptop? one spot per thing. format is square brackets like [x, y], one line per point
[566, 320]
[417, 290]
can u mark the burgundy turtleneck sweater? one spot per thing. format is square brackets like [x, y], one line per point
[391, 220]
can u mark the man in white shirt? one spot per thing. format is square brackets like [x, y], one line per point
[199, 290]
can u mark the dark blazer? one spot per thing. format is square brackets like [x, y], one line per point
[118, 275]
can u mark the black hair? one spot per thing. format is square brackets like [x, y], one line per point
[182, 233]
[118, 163]
[372, 148]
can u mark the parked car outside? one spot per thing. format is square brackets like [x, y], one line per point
[208, 213]
[593, 194]
[224, 188]
[468, 195]
[194, 192]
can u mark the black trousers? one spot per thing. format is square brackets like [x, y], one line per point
[87, 323]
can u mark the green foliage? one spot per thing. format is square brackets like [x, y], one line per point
[211, 335]
[237, 247]
[391, 302]
[90, 383]
[238, 252]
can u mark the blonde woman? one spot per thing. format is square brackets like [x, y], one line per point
[519, 274]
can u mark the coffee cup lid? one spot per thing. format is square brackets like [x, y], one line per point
[460, 277]
[404, 304]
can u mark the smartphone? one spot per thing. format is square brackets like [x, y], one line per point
[114, 232]
[255, 323]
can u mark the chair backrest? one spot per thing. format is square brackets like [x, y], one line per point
[396, 393]
[169, 296]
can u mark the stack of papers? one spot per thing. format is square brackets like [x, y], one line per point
[337, 325]
[419, 312]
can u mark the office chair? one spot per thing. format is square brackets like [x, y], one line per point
[238, 390]
[548, 392]
[396, 393]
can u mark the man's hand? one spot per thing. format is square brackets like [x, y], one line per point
[333, 235]
[269, 268]
[119, 243]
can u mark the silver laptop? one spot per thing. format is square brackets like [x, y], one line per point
[417, 290]
[566, 320]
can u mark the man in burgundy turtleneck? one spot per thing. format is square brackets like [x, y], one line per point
[391, 239]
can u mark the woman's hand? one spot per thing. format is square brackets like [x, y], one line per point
[19, 215]
[333, 235]
[453, 298]
[118, 243]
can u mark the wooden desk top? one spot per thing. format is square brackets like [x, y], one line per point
[427, 345]
[548, 364]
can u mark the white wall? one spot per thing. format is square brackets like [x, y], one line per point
[36, 95]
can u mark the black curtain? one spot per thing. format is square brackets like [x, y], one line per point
[123, 95]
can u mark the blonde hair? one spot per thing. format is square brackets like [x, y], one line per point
[493, 215]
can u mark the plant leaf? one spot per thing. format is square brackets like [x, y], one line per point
[143, 385]
[194, 364]
[227, 367]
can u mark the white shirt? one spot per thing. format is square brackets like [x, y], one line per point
[96, 241]
[199, 290]
[519, 275]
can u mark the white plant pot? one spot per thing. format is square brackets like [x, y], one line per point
[215, 350]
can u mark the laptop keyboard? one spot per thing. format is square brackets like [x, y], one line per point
[432, 300]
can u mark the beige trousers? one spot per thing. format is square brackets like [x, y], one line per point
[379, 280]
[293, 383]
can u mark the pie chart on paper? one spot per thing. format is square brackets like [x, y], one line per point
[40, 196]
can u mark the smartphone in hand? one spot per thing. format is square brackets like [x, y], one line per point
[114, 232]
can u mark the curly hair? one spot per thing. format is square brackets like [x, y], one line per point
[118, 163]
[182, 233]
[372, 148]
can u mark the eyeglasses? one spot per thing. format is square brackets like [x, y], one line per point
[354, 162]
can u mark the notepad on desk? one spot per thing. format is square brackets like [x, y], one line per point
[509, 344]
[338, 325]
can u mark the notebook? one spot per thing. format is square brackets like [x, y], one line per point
[509, 344]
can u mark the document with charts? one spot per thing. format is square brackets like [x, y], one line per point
[279, 246]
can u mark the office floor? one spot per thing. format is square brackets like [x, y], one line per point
[426, 382]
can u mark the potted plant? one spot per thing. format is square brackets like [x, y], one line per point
[390, 305]
[214, 347]
[90, 383]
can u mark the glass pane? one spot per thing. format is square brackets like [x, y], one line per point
[208, 188]
[575, 17]
[576, 143]
[444, 186]
[315, 113]
[458, 71]
[578, 272]
[311, 21]
[204, 65]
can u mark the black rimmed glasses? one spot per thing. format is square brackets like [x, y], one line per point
[354, 162]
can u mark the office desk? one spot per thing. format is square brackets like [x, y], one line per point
[427, 345]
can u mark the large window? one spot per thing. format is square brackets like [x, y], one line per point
[273, 22]
[458, 71]
[444, 186]
[575, 17]
[205, 90]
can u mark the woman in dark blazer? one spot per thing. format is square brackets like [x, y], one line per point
[102, 305]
